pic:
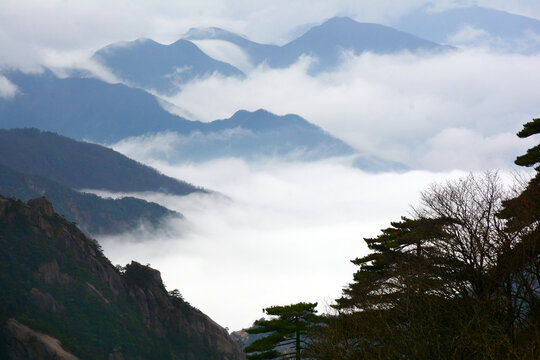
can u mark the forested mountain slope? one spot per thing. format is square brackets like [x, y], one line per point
[57, 285]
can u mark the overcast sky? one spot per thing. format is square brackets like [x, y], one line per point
[443, 114]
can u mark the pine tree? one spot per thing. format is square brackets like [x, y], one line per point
[288, 332]
[399, 257]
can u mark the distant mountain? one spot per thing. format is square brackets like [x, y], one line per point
[151, 65]
[253, 135]
[258, 53]
[326, 42]
[85, 108]
[374, 164]
[95, 215]
[61, 298]
[105, 113]
[474, 25]
[81, 165]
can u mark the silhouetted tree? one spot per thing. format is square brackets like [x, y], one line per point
[288, 332]
[461, 279]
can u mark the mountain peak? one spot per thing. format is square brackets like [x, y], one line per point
[340, 20]
[256, 114]
[208, 32]
[345, 23]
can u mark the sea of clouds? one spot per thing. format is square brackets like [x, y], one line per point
[273, 233]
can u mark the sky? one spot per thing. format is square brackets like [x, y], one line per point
[281, 232]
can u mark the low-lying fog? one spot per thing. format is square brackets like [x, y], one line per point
[277, 233]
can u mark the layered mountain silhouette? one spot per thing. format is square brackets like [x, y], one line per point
[257, 52]
[326, 43]
[474, 25]
[82, 165]
[85, 108]
[252, 135]
[90, 109]
[95, 215]
[164, 68]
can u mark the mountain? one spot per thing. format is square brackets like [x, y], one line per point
[61, 298]
[474, 25]
[326, 42]
[101, 112]
[81, 165]
[95, 215]
[257, 52]
[248, 135]
[374, 164]
[147, 64]
[85, 108]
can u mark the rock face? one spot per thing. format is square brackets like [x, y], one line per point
[26, 343]
[43, 205]
[57, 286]
[160, 310]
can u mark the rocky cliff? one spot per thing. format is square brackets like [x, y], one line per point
[62, 298]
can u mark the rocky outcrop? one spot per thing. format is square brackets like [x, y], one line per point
[25, 343]
[44, 300]
[42, 204]
[68, 277]
[164, 313]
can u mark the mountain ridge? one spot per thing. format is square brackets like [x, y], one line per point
[95, 215]
[82, 165]
[148, 64]
[498, 29]
[115, 112]
[326, 42]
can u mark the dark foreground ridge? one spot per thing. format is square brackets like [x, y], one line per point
[82, 165]
[61, 298]
[93, 214]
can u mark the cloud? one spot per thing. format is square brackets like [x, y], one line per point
[227, 52]
[7, 88]
[387, 105]
[174, 147]
[467, 34]
[277, 233]
[449, 148]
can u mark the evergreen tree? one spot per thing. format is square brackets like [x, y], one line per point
[532, 157]
[520, 264]
[288, 332]
[398, 260]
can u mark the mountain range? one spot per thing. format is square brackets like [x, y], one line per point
[473, 26]
[151, 65]
[248, 135]
[90, 109]
[85, 108]
[93, 214]
[326, 43]
[82, 165]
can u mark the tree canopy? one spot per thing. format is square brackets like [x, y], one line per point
[460, 278]
[288, 332]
